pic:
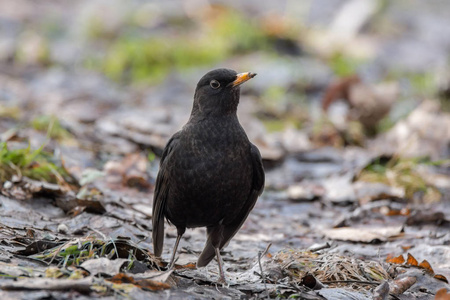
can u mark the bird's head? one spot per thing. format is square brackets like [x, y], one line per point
[217, 92]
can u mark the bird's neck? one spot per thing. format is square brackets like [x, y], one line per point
[197, 116]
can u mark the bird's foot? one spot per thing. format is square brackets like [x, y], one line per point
[223, 281]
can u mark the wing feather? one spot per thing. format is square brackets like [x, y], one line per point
[160, 196]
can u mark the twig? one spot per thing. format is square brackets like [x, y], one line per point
[262, 272]
[266, 250]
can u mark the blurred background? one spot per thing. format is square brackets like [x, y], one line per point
[336, 61]
[340, 57]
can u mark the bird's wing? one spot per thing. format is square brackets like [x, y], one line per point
[160, 197]
[229, 230]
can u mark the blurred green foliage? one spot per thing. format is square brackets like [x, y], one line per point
[344, 65]
[35, 164]
[403, 172]
[52, 126]
[133, 58]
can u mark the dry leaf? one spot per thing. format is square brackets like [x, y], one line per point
[441, 278]
[152, 285]
[121, 278]
[104, 265]
[442, 294]
[426, 265]
[186, 266]
[412, 261]
[366, 235]
[396, 260]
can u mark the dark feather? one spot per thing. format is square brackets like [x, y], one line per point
[226, 232]
[160, 197]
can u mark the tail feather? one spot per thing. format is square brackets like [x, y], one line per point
[158, 236]
[207, 255]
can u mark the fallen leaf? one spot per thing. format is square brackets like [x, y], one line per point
[406, 248]
[186, 266]
[80, 285]
[412, 261]
[396, 260]
[149, 284]
[365, 235]
[441, 278]
[104, 265]
[155, 275]
[442, 294]
[426, 265]
[121, 278]
[152, 285]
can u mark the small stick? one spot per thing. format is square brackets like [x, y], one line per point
[261, 269]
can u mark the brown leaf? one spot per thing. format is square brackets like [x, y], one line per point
[395, 260]
[186, 266]
[441, 278]
[412, 261]
[442, 294]
[152, 285]
[406, 248]
[426, 265]
[121, 278]
[141, 283]
[399, 286]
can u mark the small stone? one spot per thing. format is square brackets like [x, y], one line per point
[62, 228]
[7, 185]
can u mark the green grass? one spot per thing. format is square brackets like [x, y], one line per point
[35, 164]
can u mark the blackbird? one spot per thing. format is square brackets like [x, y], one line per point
[210, 174]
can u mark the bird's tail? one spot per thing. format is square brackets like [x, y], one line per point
[207, 255]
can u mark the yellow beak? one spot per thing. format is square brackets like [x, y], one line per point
[241, 78]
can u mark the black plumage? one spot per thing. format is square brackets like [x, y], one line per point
[210, 174]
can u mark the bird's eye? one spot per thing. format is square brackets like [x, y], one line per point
[214, 84]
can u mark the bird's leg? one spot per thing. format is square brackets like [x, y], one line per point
[222, 279]
[172, 260]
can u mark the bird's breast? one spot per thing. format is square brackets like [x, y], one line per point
[211, 176]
